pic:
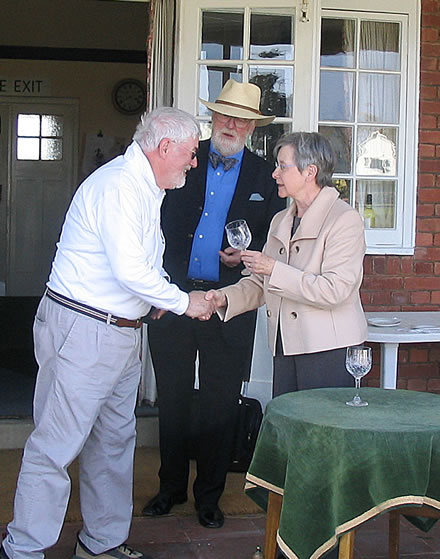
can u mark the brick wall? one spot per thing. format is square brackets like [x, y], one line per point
[410, 283]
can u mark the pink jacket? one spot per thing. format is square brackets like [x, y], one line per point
[313, 291]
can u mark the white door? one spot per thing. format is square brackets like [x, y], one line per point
[41, 157]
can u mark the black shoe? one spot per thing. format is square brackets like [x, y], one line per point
[210, 516]
[162, 504]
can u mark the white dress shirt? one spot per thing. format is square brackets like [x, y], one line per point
[110, 251]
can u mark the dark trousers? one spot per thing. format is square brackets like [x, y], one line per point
[174, 346]
[325, 369]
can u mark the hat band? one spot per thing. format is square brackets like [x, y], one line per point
[256, 111]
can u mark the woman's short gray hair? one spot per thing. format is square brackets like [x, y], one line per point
[165, 122]
[310, 148]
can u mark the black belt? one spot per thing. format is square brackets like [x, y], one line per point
[93, 313]
[203, 285]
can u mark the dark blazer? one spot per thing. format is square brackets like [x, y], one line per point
[255, 200]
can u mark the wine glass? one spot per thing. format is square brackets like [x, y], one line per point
[239, 234]
[358, 363]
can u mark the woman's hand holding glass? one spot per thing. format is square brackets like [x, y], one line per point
[258, 262]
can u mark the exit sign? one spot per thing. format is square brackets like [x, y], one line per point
[24, 86]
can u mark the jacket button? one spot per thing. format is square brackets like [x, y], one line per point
[282, 250]
[297, 248]
[190, 235]
[294, 314]
[268, 314]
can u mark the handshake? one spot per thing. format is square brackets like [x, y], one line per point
[203, 304]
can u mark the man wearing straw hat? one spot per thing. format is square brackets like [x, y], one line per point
[229, 183]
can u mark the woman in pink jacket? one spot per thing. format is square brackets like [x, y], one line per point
[308, 273]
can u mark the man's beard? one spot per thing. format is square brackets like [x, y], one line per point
[182, 180]
[226, 146]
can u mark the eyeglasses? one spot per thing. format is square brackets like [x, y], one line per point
[282, 167]
[194, 152]
[238, 122]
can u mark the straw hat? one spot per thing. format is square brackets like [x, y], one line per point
[240, 100]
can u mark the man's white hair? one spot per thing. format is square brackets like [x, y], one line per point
[165, 122]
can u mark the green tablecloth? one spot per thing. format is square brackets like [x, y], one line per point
[337, 466]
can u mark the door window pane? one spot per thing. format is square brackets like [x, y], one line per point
[264, 139]
[51, 150]
[376, 151]
[52, 125]
[379, 45]
[341, 139]
[338, 43]
[271, 37]
[336, 95]
[383, 195]
[276, 85]
[222, 36]
[28, 125]
[28, 148]
[212, 80]
[379, 99]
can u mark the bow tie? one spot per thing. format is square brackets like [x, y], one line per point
[216, 158]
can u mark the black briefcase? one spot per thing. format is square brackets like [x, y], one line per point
[249, 417]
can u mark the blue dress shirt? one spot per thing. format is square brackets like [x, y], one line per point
[220, 188]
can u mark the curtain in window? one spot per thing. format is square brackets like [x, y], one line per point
[160, 60]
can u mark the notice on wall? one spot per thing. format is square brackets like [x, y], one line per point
[99, 149]
[25, 86]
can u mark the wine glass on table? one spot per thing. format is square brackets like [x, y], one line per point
[358, 363]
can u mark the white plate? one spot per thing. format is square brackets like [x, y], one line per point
[384, 322]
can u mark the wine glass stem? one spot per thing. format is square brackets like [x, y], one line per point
[358, 386]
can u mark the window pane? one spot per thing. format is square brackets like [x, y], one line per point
[212, 80]
[51, 150]
[28, 148]
[379, 98]
[344, 188]
[376, 151]
[379, 45]
[264, 139]
[383, 195]
[222, 36]
[337, 43]
[52, 125]
[336, 95]
[276, 86]
[341, 139]
[272, 37]
[28, 125]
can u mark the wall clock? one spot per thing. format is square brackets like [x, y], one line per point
[129, 96]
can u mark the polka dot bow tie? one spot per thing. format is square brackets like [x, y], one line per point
[227, 162]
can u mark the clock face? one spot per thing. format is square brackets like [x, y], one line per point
[129, 96]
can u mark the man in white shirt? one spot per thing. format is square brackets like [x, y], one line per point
[106, 275]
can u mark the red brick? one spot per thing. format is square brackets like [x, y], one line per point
[437, 209]
[419, 370]
[425, 210]
[392, 265]
[418, 297]
[402, 384]
[419, 385]
[430, 253]
[419, 308]
[428, 121]
[429, 137]
[383, 283]
[428, 63]
[431, 49]
[426, 180]
[425, 284]
[437, 151]
[380, 298]
[429, 165]
[368, 264]
[437, 268]
[437, 239]
[430, 107]
[426, 224]
[400, 297]
[434, 352]
[429, 195]
[379, 264]
[424, 239]
[434, 385]
[426, 150]
[365, 298]
[403, 355]
[423, 268]
[435, 296]
[417, 355]
[406, 264]
[429, 34]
